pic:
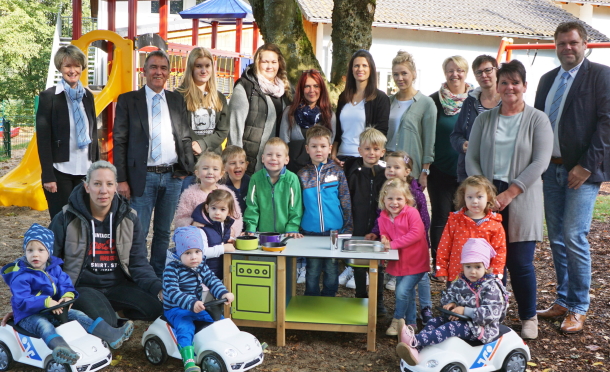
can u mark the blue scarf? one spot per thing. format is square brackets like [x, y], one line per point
[78, 113]
[306, 117]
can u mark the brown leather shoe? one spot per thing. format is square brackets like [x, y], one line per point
[555, 311]
[573, 323]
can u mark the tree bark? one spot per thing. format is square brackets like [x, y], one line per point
[281, 23]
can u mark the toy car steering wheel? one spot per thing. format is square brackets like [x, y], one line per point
[215, 302]
[214, 308]
[451, 313]
[63, 304]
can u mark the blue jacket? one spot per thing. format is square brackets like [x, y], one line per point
[461, 131]
[182, 285]
[32, 288]
[213, 229]
[326, 200]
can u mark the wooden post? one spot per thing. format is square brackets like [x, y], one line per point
[214, 33]
[238, 32]
[110, 110]
[163, 11]
[77, 19]
[132, 32]
[195, 37]
[254, 37]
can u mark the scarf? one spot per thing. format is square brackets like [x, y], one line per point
[306, 117]
[78, 113]
[275, 88]
[452, 103]
[476, 285]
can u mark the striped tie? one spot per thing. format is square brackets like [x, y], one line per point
[156, 128]
[558, 98]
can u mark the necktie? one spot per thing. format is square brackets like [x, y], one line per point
[156, 128]
[563, 82]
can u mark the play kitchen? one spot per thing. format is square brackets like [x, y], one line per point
[264, 283]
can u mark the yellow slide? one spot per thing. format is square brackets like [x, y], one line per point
[22, 186]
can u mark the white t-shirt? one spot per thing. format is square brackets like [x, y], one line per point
[397, 110]
[353, 120]
[506, 134]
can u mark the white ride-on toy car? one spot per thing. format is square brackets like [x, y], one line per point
[219, 346]
[508, 353]
[18, 345]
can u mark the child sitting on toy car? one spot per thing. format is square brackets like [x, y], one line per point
[475, 294]
[182, 290]
[37, 282]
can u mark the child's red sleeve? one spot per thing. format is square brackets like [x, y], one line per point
[498, 242]
[444, 250]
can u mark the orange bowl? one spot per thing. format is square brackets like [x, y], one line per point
[274, 249]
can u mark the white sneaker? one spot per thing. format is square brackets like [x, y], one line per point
[301, 276]
[351, 283]
[346, 275]
[391, 285]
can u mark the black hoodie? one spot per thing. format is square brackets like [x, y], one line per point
[364, 187]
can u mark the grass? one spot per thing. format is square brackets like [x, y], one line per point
[602, 208]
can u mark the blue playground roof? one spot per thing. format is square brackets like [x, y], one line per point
[219, 10]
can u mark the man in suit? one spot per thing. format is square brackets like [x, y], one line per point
[152, 152]
[576, 97]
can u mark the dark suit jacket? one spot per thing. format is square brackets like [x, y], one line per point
[132, 138]
[53, 130]
[584, 126]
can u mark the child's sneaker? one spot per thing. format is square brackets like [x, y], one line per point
[346, 275]
[393, 328]
[391, 285]
[301, 277]
[407, 344]
[426, 315]
[351, 283]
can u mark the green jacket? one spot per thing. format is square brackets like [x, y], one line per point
[273, 208]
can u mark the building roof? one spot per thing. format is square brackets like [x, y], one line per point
[219, 10]
[592, 2]
[533, 19]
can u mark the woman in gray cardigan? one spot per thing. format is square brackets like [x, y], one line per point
[511, 145]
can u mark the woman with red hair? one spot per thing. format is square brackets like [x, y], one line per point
[311, 106]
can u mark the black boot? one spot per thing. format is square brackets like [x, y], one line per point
[62, 353]
[113, 336]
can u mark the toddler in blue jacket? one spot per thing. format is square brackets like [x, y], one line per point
[182, 290]
[37, 282]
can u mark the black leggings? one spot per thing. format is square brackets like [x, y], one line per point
[65, 184]
[128, 297]
[441, 190]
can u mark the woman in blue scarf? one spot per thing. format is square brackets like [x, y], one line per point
[311, 106]
[65, 130]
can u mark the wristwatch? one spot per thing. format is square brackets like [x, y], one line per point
[427, 171]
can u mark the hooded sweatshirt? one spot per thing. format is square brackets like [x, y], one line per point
[119, 252]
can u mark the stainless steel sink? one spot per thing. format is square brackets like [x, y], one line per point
[361, 246]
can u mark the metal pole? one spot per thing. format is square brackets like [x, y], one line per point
[77, 21]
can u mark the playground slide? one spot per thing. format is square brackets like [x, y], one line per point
[22, 186]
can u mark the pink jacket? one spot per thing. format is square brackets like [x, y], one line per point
[407, 234]
[192, 197]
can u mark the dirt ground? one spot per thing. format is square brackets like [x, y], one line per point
[329, 351]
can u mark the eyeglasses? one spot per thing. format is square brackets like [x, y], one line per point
[311, 71]
[459, 71]
[486, 71]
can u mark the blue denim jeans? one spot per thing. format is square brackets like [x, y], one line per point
[568, 218]
[161, 194]
[183, 323]
[405, 297]
[330, 280]
[43, 325]
[423, 291]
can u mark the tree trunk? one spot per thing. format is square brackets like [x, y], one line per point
[353, 20]
[281, 23]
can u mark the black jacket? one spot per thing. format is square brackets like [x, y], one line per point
[132, 138]
[377, 113]
[72, 229]
[461, 132]
[584, 126]
[364, 187]
[53, 130]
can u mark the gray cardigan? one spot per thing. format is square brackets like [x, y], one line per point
[533, 147]
[417, 131]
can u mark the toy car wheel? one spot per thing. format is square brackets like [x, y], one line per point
[6, 358]
[155, 351]
[53, 366]
[212, 362]
[516, 361]
[453, 368]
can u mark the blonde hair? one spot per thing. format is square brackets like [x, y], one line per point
[372, 136]
[479, 182]
[406, 59]
[458, 60]
[232, 151]
[221, 196]
[399, 185]
[209, 155]
[193, 96]
[71, 52]
[406, 160]
[318, 131]
[282, 72]
[277, 141]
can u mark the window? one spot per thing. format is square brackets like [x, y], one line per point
[175, 6]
